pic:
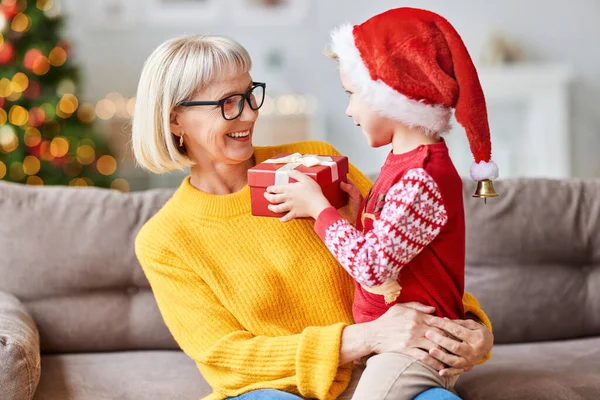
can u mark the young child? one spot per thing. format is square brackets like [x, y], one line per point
[404, 70]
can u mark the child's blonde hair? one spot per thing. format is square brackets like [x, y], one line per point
[176, 71]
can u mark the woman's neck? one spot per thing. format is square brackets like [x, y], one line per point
[406, 139]
[220, 179]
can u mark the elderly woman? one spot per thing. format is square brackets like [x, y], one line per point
[261, 307]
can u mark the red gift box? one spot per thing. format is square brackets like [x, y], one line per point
[327, 171]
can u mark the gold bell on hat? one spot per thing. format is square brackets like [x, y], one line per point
[485, 189]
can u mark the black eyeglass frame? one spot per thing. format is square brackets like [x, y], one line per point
[221, 102]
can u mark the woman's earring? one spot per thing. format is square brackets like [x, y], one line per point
[181, 140]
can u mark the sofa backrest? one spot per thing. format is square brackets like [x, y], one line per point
[67, 253]
[533, 258]
[533, 261]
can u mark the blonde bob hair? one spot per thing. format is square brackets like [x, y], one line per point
[176, 71]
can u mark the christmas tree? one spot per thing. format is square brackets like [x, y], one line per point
[46, 135]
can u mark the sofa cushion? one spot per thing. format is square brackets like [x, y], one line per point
[160, 375]
[562, 370]
[67, 253]
[533, 258]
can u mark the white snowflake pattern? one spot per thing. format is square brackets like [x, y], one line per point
[411, 218]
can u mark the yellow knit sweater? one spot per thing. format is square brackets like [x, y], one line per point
[254, 302]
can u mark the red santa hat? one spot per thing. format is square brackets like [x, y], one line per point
[412, 66]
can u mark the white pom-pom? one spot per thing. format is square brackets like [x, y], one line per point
[484, 170]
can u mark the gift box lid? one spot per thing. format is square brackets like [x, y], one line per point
[263, 174]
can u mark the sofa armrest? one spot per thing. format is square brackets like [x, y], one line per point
[19, 350]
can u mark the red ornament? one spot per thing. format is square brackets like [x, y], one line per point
[7, 53]
[36, 150]
[10, 10]
[30, 57]
[2, 100]
[37, 116]
[59, 162]
[33, 91]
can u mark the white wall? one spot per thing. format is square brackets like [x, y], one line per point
[551, 30]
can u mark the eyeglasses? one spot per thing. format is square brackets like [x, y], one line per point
[232, 106]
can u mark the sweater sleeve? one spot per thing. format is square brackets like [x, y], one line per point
[412, 216]
[230, 358]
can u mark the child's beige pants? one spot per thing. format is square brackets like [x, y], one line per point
[393, 376]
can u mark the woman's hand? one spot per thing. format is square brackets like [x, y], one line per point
[299, 199]
[465, 343]
[402, 330]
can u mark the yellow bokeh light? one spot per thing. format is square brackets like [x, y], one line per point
[86, 154]
[31, 165]
[6, 87]
[32, 137]
[89, 181]
[59, 147]
[35, 181]
[16, 171]
[107, 165]
[62, 114]
[45, 151]
[1, 40]
[2, 170]
[20, 82]
[120, 184]
[78, 182]
[41, 65]
[68, 104]
[105, 109]
[8, 139]
[131, 106]
[114, 96]
[18, 115]
[57, 56]
[3, 117]
[14, 96]
[44, 4]
[86, 113]
[20, 23]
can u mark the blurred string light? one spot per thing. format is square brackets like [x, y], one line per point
[44, 5]
[289, 104]
[21, 23]
[59, 147]
[116, 106]
[32, 137]
[21, 124]
[31, 165]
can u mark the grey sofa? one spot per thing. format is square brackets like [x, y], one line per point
[67, 263]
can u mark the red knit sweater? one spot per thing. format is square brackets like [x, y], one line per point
[411, 229]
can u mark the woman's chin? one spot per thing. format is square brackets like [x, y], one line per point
[241, 154]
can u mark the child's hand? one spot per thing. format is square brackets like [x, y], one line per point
[355, 199]
[300, 199]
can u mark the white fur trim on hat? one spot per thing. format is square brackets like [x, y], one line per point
[381, 97]
[484, 170]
